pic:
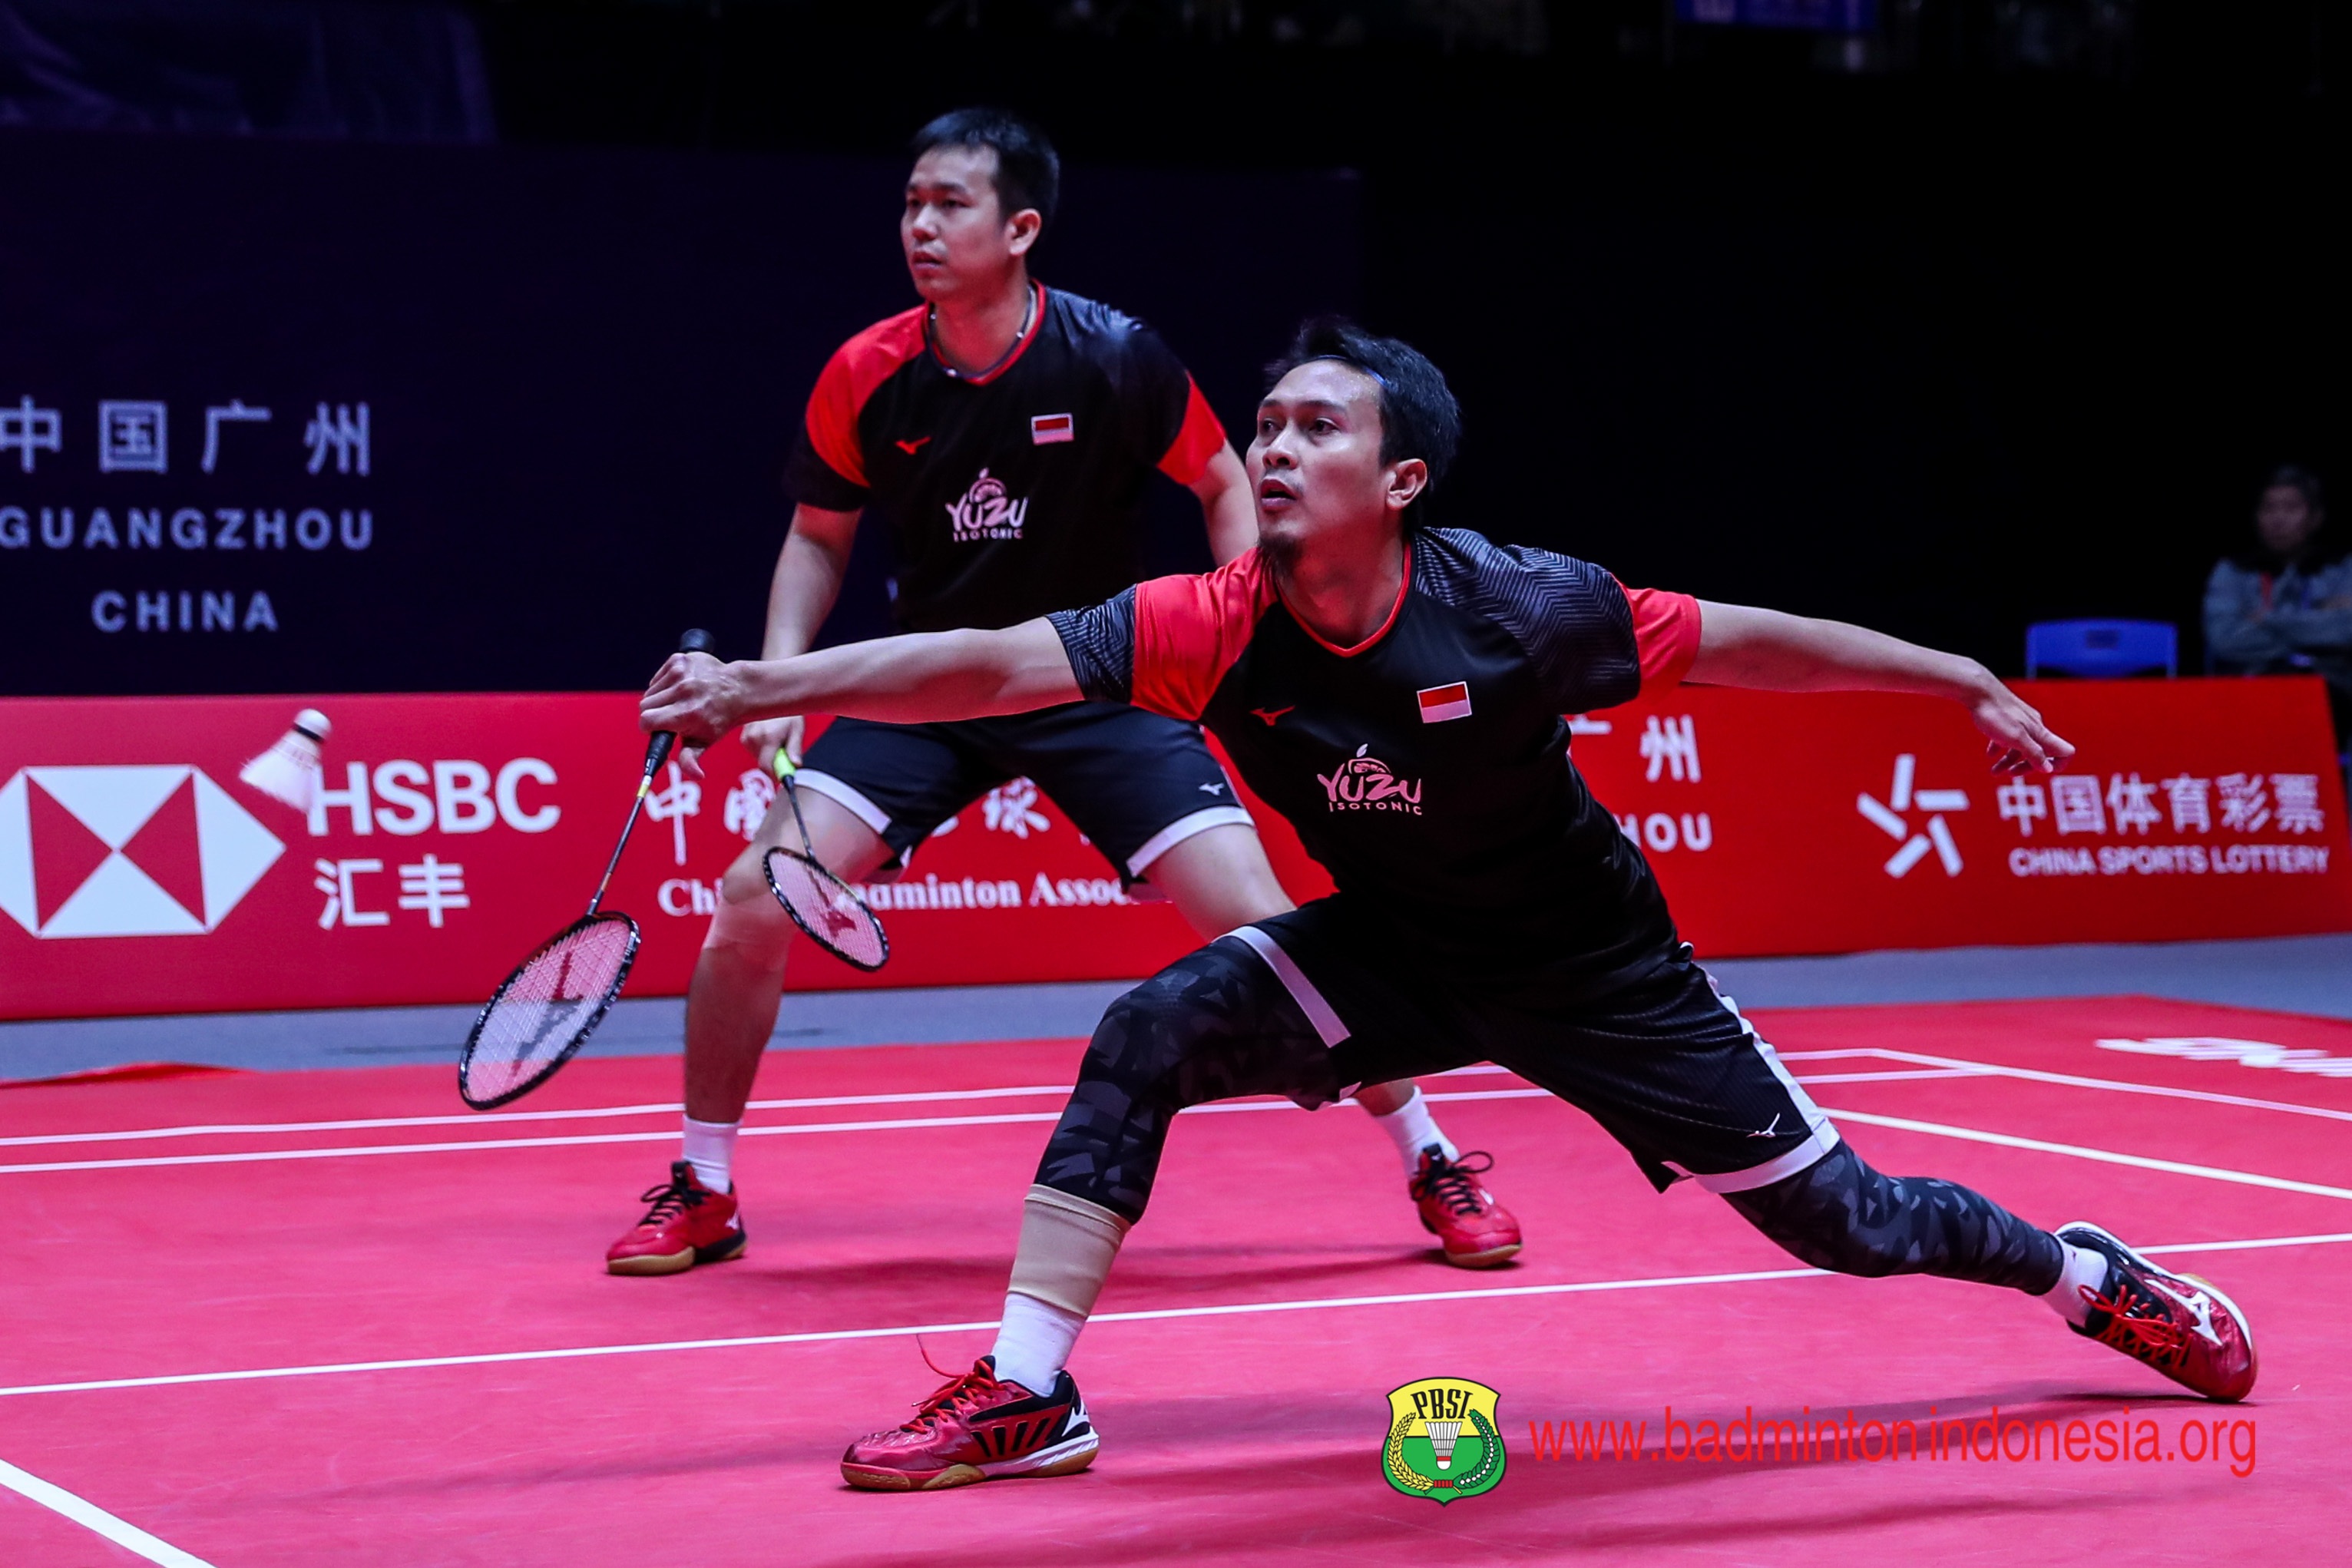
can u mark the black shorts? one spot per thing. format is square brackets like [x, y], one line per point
[1666, 1065]
[1135, 784]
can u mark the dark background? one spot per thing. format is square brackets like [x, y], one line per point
[1992, 312]
[583, 367]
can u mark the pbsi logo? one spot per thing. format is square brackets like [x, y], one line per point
[987, 511]
[125, 851]
[1364, 783]
[1442, 1442]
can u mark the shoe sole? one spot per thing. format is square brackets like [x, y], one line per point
[1493, 1257]
[1063, 1459]
[2246, 1324]
[678, 1262]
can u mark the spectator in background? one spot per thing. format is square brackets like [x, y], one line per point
[2284, 606]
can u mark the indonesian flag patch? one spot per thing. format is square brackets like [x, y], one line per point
[1439, 703]
[1045, 429]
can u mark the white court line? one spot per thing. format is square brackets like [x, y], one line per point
[1889, 1077]
[479, 1118]
[253, 1156]
[1147, 1316]
[2105, 1157]
[2073, 1080]
[1943, 1067]
[90, 1516]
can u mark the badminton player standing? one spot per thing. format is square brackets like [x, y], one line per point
[1488, 907]
[1007, 431]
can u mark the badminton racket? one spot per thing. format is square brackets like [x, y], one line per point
[821, 903]
[544, 1013]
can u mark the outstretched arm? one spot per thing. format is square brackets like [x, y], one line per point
[1768, 651]
[925, 678]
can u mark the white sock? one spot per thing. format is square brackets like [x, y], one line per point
[710, 1150]
[1412, 1129]
[1034, 1341]
[2084, 1267]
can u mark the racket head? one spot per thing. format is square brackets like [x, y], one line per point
[544, 1013]
[827, 908]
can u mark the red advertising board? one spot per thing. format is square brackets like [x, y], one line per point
[1837, 823]
[138, 875]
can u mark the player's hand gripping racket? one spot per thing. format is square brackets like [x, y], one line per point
[544, 1012]
[821, 903]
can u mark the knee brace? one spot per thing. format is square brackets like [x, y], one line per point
[1841, 1215]
[756, 930]
[1214, 1025]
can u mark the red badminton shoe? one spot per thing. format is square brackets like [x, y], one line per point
[2178, 1323]
[1476, 1231]
[975, 1428]
[688, 1223]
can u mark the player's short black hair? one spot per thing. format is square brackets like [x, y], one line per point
[2295, 477]
[1419, 416]
[1028, 169]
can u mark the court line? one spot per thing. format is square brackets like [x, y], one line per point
[2104, 1156]
[1161, 1314]
[90, 1516]
[1951, 1066]
[355, 1124]
[2004, 1139]
[479, 1118]
[2035, 1075]
[253, 1156]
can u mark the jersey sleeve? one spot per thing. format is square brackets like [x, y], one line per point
[826, 467]
[1665, 635]
[1100, 642]
[1164, 645]
[1592, 643]
[827, 464]
[1169, 425]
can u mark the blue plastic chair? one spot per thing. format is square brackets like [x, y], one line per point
[2102, 649]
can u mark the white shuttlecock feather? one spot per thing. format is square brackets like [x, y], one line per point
[1443, 1435]
[289, 771]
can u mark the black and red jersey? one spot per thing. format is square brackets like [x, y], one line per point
[1426, 768]
[1013, 493]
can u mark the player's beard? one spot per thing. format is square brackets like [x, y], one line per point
[1282, 551]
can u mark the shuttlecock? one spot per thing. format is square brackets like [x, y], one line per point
[289, 771]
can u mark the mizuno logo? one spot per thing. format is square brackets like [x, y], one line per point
[2200, 1304]
[1271, 714]
[909, 447]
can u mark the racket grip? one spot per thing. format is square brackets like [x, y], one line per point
[658, 749]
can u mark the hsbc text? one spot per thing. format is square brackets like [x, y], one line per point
[456, 795]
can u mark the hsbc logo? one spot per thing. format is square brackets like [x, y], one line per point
[125, 851]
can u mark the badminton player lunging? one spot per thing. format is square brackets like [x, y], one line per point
[1488, 908]
[1007, 431]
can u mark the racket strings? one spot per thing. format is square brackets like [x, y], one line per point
[827, 908]
[547, 1007]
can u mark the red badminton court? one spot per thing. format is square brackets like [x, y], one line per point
[331, 1317]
